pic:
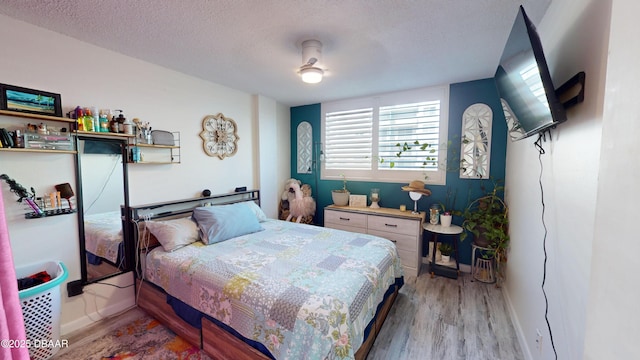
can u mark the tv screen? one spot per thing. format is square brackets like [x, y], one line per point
[524, 84]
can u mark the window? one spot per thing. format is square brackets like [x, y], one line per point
[360, 137]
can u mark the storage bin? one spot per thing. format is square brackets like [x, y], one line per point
[41, 309]
[60, 141]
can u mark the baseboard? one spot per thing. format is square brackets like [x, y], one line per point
[524, 346]
[89, 319]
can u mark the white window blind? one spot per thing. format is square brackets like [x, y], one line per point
[417, 125]
[349, 139]
[360, 137]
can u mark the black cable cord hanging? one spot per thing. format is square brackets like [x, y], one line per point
[117, 286]
[541, 152]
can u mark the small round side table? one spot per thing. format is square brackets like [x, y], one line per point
[435, 230]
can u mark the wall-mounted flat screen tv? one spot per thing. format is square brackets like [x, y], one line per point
[524, 84]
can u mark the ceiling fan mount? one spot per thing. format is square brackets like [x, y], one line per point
[311, 53]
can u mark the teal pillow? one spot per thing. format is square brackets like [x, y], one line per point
[222, 222]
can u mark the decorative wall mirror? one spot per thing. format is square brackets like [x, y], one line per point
[304, 147]
[102, 194]
[219, 136]
[475, 152]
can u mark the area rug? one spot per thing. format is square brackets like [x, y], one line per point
[144, 338]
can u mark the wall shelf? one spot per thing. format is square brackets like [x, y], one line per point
[154, 154]
[49, 213]
[39, 150]
[103, 134]
[158, 146]
[44, 140]
[36, 116]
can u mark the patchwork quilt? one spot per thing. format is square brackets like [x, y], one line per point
[103, 234]
[302, 291]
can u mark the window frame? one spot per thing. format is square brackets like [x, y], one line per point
[437, 177]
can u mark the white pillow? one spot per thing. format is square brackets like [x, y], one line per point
[174, 234]
[256, 210]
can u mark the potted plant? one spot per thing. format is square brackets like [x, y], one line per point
[446, 250]
[340, 197]
[445, 218]
[487, 219]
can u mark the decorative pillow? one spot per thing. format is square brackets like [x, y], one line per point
[223, 222]
[174, 234]
[256, 210]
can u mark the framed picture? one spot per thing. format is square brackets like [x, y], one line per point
[358, 201]
[15, 98]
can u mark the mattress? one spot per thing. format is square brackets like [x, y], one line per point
[301, 291]
[103, 235]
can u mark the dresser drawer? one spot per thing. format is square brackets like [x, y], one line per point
[395, 225]
[404, 242]
[344, 218]
[345, 228]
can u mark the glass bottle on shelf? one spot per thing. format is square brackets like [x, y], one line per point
[104, 120]
[88, 120]
[80, 118]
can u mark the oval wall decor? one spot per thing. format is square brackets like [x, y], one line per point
[219, 136]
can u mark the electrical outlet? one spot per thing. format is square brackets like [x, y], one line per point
[539, 341]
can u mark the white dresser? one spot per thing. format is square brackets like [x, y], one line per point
[401, 227]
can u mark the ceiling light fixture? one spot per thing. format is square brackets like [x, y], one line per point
[310, 72]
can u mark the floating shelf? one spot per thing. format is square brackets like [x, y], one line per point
[48, 213]
[36, 116]
[51, 151]
[103, 134]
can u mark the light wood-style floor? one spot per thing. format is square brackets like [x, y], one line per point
[437, 318]
[444, 319]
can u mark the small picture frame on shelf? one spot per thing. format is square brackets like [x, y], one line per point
[19, 99]
[359, 201]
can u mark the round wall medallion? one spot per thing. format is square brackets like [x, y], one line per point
[219, 136]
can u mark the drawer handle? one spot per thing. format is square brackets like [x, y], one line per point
[346, 219]
[391, 225]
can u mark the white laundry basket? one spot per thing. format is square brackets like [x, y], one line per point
[41, 309]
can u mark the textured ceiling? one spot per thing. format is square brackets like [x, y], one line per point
[370, 46]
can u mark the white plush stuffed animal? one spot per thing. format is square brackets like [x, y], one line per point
[286, 194]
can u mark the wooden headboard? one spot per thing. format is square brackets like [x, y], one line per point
[175, 209]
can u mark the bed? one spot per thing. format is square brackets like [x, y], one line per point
[286, 291]
[103, 237]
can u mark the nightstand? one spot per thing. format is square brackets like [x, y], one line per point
[441, 269]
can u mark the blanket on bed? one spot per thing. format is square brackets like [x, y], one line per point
[103, 234]
[302, 291]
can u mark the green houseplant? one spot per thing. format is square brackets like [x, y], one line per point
[487, 219]
[446, 250]
[340, 197]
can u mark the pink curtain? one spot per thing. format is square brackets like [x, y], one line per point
[11, 322]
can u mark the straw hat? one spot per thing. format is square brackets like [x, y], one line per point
[417, 186]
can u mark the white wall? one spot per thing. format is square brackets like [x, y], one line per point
[273, 124]
[90, 76]
[574, 34]
[613, 323]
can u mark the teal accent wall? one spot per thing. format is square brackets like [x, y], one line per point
[461, 96]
